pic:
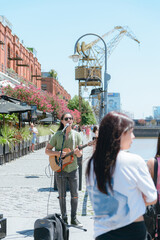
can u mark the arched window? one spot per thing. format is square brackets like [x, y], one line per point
[9, 55]
[31, 73]
[16, 63]
[36, 77]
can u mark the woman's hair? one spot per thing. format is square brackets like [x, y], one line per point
[108, 145]
[95, 128]
[62, 117]
[158, 146]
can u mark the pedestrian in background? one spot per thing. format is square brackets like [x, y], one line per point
[154, 168]
[118, 182]
[87, 132]
[94, 136]
[150, 162]
[34, 133]
[95, 132]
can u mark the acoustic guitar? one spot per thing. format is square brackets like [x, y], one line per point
[67, 159]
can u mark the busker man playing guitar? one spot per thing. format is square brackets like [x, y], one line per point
[69, 173]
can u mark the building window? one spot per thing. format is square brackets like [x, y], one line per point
[16, 62]
[9, 55]
[31, 73]
[44, 87]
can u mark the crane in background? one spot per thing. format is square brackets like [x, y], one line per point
[88, 71]
[93, 55]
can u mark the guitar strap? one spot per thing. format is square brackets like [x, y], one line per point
[73, 140]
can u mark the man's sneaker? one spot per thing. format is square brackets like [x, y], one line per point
[65, 220]
[74, 221]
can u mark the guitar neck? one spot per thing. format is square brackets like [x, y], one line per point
[72, 152]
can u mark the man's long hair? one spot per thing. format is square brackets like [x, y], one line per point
[108, 145]
[62, 117]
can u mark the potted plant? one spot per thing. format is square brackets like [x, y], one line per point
[26, 136]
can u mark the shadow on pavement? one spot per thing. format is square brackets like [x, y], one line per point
[32, 176]
[46, 190]
[27, 233]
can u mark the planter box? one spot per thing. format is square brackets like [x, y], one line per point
[20, 146]
[11, 152]
[2, 161]
[16, 149]
[11, 148]
[28, 143]
[6, 148]
[20, 149]
[25, 144]
[1, 149]
[24, 148]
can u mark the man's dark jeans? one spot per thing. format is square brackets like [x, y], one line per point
[61, 179]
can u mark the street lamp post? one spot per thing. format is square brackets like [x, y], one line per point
[107, 77]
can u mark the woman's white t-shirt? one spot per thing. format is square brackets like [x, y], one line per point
[125, 204]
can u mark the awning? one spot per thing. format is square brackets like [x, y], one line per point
[10, 107]
[39, 113]
[48, 114]
[48, 119]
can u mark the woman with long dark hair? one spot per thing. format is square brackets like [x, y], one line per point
[154, 168]
[151, 161]
[118, 182]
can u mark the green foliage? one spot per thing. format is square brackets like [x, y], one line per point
[30, 49]
[3, 140]
[9, 117]
[87, 114]
[73, 103]
[7, 135]
[53, 74]
[45, 130]
[10, 135]
[25, 133]
[45, 102]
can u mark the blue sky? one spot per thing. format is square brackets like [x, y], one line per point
[52, 28]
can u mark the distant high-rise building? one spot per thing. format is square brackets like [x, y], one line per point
[156, 112]
[114, 102]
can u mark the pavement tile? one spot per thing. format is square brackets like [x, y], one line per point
[26, 186]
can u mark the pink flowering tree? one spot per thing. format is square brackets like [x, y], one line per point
[45, 101]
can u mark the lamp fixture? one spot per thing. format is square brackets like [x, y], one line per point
[75, 57]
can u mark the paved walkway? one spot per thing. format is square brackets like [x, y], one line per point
[26, 194]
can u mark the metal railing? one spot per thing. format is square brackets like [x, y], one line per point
[12, 74]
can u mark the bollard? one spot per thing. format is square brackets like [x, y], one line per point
[3, 226]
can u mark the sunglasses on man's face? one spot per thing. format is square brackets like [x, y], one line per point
[68, 118]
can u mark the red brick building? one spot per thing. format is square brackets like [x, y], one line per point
[52, 86]
[16, 60]
[19, 63]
